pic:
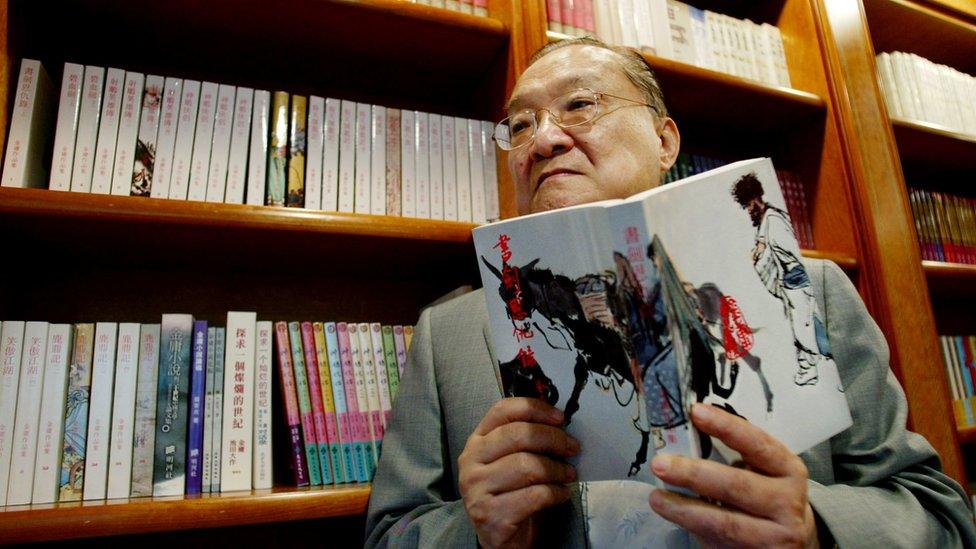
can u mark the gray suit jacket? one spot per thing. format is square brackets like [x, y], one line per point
[875, 484]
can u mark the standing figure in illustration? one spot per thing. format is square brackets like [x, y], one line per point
[777, 261]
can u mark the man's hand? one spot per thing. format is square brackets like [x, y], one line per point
[510, 470]
[763, 505]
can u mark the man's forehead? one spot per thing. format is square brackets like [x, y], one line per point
[564, 70]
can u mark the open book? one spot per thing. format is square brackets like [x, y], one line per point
[623, 313]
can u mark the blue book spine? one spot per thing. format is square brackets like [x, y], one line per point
[346, 459]
[198, 391]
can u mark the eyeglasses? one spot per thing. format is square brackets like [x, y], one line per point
[575, 108]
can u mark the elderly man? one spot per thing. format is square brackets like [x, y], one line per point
[462, 466]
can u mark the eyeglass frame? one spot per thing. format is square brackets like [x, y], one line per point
[555, 119]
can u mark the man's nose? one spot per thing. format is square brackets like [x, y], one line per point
[550, 139]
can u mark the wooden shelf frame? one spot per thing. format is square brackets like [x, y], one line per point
[934, 146]
[967, 434]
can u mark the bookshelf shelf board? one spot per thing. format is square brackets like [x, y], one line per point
[967, 434]
[62, 521]
[844, 261]
[950, 278]
[934, 35]
[931, 144]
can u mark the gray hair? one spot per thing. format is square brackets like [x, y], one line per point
[635, 68]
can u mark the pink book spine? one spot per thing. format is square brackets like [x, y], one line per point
[589, 22]
[554, 14]
[579, 15]
[357, 418]
[314, 386]
[292, 417]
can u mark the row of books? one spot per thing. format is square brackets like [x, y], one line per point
[790, 184]
[473, 7]
[116, 410]
[959, 355]
[126, 133]
[945, 225]
[918, 89]
[675, 30]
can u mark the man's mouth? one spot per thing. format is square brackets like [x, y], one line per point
[556, 173]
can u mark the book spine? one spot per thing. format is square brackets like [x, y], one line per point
[262, 467]
[480, 8]
[198, 388]
[100, 411]
[367, 366]
[330, 156]
[144, 436]
[26, 163]
[492, 209]
[125, 146]
[347, 155]
[208, 405]
[278, 150]
[258, 153]
[362, 398]
[408, 169]
[24, 433]
[67, 127]
[390, 359]
[343, 421]
[328, 403]
[237, 432]
[393, 162]
[88, 120]
[449, 169]
[422, 164]
[239, 137]
[401, 348]
[463, 170]
[185, 130]
[218, 410]
[123, 411]
[172, 390]
[357, 414]
[13, 348]
[313, 160]
[290, 398]
[47, 464]
[315, 397]
[467, 6]
[554, 16]
[220, 144]
[477, 159]
[436, 167]
[377, 156]
[379, 364]
[203, 142]
[361, 202]
[147, 143]
[296, 152]
[304, 405]
[108, 132]
[72, 475]
[166, 140]
[407, 336]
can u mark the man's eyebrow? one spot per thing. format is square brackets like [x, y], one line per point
[566, 84]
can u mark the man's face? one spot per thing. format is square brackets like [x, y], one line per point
[615, 156]
[756, 208]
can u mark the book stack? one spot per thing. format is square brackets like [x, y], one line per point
[915, 88]
[125, 133]
[110, 410]
[790, 184]
[675, 30]
[959, 355]
[945, 225]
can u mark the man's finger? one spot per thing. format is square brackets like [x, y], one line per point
[523, 469]
[758, 448]
[520, 436]
[520, 505]
[512, 409]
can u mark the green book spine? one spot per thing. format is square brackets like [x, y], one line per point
[304, 404]
[389, 352]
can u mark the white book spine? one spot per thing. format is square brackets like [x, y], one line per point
[67, 127]
[88, 116]
[330, 156]
[24, 164]
[124, 410]
[422, 164]
[32, 363]
[203, 142]
[904, 86]
[208, 404]
[477, 156]
[237, 431]
[628, 26]
[143, 176]
[408, 169]
[450, 168]
[166, 138]
[762, 46]
[257, 159]
[463, 169]
[186, 128]
[377, 199]
[699, 33]
[347, 155]
[661, 28]
[100, 411]
[263, 400]
[12, 341]
[47, 464]
[779, 57]
[240, 135]
[436, 167]
[492, 208]
[108, 132]
[313, 154]
[379, 364]
[125, 143]
[144, 431]
[368, 400]
[220, 143]
[362, 169]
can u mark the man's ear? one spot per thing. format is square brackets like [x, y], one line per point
[670, 143]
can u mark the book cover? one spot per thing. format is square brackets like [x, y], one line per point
[54, 394]
[123, 411]
[296, 152]
[401, 348]
[463, 169]
[71, 480]
[30, 128]
[313, 160]
[169, 115]
[239, 137]
[436, 170]
[347, 155]
[318, 407]
[421, 179]
[172, 392]
[197, 397]
[278, 150]
[263, 401]
[369, 405]
[203, 142]
[393, 162]
[220, 148]
[330, 156]
[408, 171]
[100, 410]
[379, 365]
[28, 397]
[186, 128]
[220, 335]
[125, 146]
[12, 336]
[449, 168]
[390, 360]
[358, 414]
[259, 153]
[238, 430]
[289, 397]
[208, 409]
[650, 327]
[108, 131]
[144, 161]
[343, 421]
[88, 120]
[377, 158]
[304, 405]
[362, 185]
[328, 402]
[67, 127]
[144, 435]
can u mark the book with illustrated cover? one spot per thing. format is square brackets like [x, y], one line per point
[144, 161]
[691, 292]
[172, 390]
[293, 420]
[71, 481]
[296, 152]
[277, 166]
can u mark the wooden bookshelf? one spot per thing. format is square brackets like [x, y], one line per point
[950, 279]
[930, 145]
[967, 434]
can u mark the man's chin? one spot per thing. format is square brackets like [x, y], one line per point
[550, 200]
